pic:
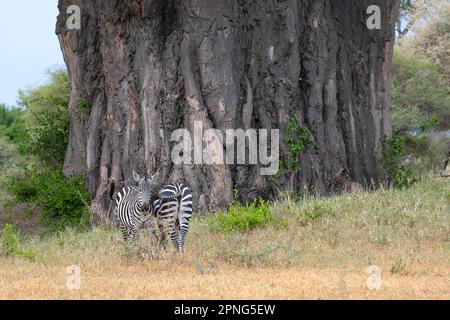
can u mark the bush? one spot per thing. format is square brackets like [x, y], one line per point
[8, 154]
[46, 131]
[420, 98]
[242, 217]
[62, 200]
[400, 174]
[11, 122]
[427, 153]
[11, 245]
[48, 140]
[21, 186]
[10, 241]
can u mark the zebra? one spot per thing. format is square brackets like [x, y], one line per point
[134, 206]
[173, 210]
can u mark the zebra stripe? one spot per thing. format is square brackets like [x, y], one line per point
[173, 209]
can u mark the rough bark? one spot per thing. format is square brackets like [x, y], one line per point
[152, 66]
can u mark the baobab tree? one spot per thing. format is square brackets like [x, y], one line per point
[141, 69]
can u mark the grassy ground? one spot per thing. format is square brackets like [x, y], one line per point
[311, 248]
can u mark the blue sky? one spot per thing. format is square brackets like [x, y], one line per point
[29, 46]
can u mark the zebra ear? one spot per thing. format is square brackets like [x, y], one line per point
[136, 176]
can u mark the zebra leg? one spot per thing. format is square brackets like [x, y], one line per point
[150, 226]
[163, 236]
[174, 236]
[125, 233]
[173, 231]
[184, 228]
[168, 227]
[134, 236]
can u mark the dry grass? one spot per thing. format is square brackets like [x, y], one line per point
[405, 233]
[164, 281]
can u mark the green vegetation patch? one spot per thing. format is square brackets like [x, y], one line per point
[420, 94]
[242, 217]
[11, 246]
[297, 138]
[63, 201]
[401, 176]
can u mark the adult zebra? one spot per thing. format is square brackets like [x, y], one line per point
[173, 209]
[134, 206]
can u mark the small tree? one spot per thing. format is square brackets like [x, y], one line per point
[47, 129]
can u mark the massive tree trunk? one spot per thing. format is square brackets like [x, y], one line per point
[141, 69]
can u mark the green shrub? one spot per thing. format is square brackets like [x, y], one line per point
[242, 217]
[297, 138]
[11, 245]
[62, 200]
[21, 186]
[46, 130]
[420, 96]
[400, 174]
[10, 240]
[11, 122]
[426, 152]
[48, 140]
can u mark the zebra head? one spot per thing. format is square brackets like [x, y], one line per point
[145, 186]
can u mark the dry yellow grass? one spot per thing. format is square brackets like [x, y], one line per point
[406, 233]
[156, 280]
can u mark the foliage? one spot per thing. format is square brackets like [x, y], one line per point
[61, 199]
[297, 138]
[430, 37]
[426, 152]
[420, 98]
[11, 122]
[39, 131]
[406, 18]
[48, 140]
[393, 161]
[242, 216]
[47, 120]
[8, 154]
[55, 92]
[10, 241]
[10, 245]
